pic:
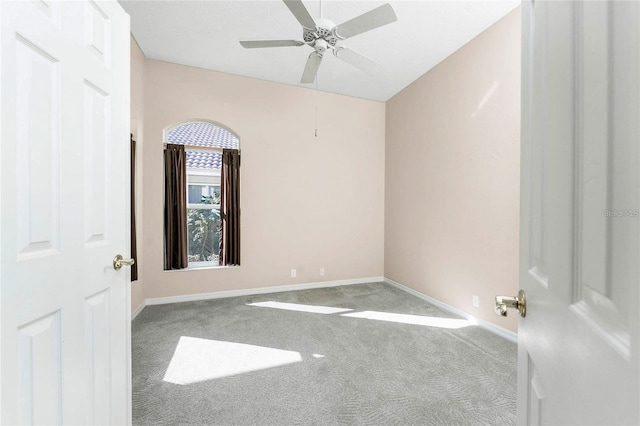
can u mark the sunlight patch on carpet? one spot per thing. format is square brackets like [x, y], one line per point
[300, 308]
[197, 360]
[451, 323]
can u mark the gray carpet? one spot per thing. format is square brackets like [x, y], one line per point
[192, 362]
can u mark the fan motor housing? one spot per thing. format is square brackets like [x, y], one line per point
[324, 31]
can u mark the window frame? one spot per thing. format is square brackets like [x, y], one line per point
[211, 172]
[213, 181]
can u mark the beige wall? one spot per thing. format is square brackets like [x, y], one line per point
[137, 119]
[306, 202]
[444, 221]
[452, 176]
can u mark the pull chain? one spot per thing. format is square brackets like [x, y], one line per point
[315, 134]
[316, 99]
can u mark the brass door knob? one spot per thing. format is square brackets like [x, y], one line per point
[119, 262]
[519, 302]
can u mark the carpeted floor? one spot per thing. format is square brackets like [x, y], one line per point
[242, 361]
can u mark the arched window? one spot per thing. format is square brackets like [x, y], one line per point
[204, 142]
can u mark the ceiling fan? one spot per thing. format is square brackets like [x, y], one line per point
[323, 35]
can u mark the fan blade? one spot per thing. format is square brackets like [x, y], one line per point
[311, 68]
[252, 44]
[374, 18]
[359, 61]
[301, 13]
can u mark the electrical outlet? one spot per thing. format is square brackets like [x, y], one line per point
[321, 272]
[293, 273]
[476, 301]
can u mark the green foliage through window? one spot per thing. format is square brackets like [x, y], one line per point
[203, 227]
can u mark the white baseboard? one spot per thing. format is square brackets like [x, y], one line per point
[509, 335]
[261, 290]
[139, 309]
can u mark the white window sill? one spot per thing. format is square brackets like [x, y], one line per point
[201, 266]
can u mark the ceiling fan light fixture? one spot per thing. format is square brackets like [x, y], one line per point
[321, 46]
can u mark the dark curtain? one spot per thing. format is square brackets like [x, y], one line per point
[134, 250]
[175, 207]
[230, 208]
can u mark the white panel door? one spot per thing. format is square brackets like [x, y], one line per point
[579, 355]
[64, 168]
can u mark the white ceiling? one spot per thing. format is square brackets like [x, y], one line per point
[205, 34]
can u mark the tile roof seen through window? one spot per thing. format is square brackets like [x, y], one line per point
[205, 135]
[204, 160]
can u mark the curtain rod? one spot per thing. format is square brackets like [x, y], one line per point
[198, 147]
